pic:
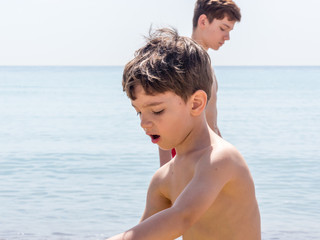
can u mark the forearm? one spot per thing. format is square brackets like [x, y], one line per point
[165, 225]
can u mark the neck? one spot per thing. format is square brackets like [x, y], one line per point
[196, 37]
[200, 136]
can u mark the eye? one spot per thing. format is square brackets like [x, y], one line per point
[138, 113]
[222, 29]
[158, 112]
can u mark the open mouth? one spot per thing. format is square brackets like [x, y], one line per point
[155, 138]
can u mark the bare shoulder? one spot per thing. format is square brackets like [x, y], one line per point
[227, 159]
[226, 152]
[161, 175]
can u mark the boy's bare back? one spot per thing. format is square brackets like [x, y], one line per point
[213, 183]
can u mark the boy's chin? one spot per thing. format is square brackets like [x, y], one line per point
[165, 148]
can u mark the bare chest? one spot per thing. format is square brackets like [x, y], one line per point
[179, 179]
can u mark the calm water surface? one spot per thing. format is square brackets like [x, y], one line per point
[74, 163]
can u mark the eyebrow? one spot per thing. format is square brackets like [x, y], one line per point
[149, 104]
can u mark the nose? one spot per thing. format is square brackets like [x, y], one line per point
[145, 122]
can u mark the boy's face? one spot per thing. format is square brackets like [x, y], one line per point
[165, 117]
[216, 33]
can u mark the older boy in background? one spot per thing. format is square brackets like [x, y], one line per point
[212, 22]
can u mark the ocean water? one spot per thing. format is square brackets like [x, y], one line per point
[74, 163]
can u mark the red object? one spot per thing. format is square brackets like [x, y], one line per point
[173, 152]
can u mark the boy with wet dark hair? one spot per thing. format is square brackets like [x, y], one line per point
[206, 191]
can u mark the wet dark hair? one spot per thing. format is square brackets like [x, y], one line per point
[169, 62]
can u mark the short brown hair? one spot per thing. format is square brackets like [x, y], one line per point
[169, 62]
[216, 9]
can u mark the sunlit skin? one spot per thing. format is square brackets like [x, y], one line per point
[206, 191]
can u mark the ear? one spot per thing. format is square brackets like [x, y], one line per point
[202, 21]
[198, 102]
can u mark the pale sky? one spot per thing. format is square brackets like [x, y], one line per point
[107, 32]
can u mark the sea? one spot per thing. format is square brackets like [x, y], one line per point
[75, 164]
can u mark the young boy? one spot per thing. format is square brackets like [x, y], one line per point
[206, 191]
[212, 22]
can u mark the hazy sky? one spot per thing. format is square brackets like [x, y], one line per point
[107, 32]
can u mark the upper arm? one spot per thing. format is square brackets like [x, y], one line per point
[156, 200]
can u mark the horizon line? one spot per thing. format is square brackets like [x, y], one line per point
[124, 65]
